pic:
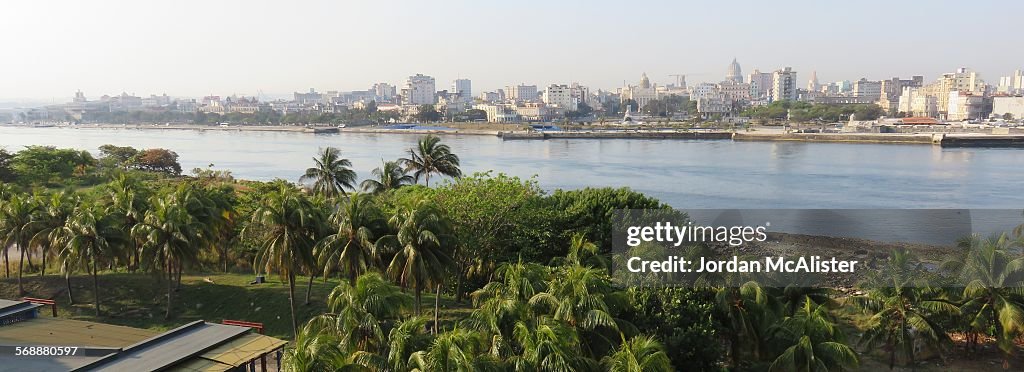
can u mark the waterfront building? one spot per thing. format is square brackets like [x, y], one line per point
[965, 106]
[760, 85]
[419, 90]
[384, 92]
[893, 88]
[498, 113]
[1008, 105]
[463, 88]
[715, 104]
[642, 93]
[868, 90]
[1013, 84]
[915, 102]
[734, 73]
[733, 92]
[521, 93]
[310, 98]
[784, 85]
[561, 95]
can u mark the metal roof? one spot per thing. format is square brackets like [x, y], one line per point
[165, 350]
[196, 346]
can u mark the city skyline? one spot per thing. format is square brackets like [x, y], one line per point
[191, 49]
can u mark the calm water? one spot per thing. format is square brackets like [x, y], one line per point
[685, 174]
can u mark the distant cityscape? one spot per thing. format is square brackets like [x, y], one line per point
[960, 95]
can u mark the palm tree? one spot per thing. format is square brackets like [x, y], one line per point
[457, 350]
[128, 199]
[358, 313]
[903, 309]
[55, 210]
[89, 236]
[638, 354]
[994, 298]
[578, 296]
[744, 310]
[430, 156]
[390, 176]
[548, 345]
[331, 174]
[351, 247]
[287, 224]
[422, 245]
[816, 342]
[170, 236]
[17, 220]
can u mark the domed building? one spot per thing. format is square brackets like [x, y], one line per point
[735, 74]
[642, 94]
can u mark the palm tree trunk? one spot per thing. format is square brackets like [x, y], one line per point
[170, 286]
[42, 252]
[178, 267]
[309, 288]
[419, 298]
[7, 262]
[458, 282]
[291, 303]
[437, 308]
[67, 280]
[21, 270]
[95, 287]
[428, 179]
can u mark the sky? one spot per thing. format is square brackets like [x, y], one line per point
[50, 49]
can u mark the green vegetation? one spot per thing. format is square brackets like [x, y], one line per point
[483, 271]
[807, 112]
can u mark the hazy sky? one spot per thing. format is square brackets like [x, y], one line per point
[48, 49]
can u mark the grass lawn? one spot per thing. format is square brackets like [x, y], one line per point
[139, 300]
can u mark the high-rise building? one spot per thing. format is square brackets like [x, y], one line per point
[463, 88]
[419, 90]
[784, 85]
[734, 73]
[760, 85]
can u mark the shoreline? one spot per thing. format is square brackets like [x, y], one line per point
[942, 139]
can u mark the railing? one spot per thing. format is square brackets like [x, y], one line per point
[43, 301]
[257, 326]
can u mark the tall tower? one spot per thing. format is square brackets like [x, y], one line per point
[812, 85]
[734, 74]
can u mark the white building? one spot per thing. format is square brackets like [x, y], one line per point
[703, 90]
[914, 102]
[419, 90]
[1013, 84]
[784, 85]
[1008, 105]
[384, 92]
[463, 88]
[561, 95]
[869, 90]
[521, 93]
[965, 106]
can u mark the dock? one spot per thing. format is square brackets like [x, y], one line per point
[616, 135]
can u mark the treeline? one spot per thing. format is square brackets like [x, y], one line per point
[807, 112]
